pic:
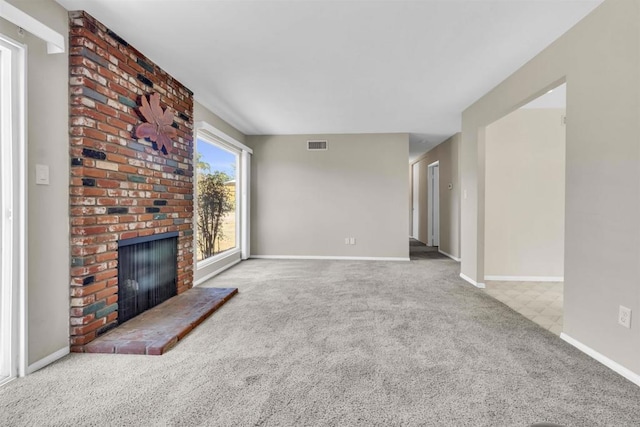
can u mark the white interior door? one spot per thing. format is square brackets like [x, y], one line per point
[415, 212]
[433, 185]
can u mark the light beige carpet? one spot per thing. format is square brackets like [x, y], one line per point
[338, 343]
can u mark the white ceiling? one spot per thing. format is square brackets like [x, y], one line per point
[288, 67]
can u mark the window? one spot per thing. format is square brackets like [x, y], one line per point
[221, 201]
[217, 201]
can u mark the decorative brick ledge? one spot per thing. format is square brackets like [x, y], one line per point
[120, 187]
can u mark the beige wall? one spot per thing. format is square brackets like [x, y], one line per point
[207, 269]
[203, 114]
[447, 156]
[600, 60]
[524, 195]
[304, 203]
[48, 205]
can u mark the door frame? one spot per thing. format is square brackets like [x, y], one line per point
[433, 213]
[415, 200]
[13, 204]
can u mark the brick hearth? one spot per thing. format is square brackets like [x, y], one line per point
[121, 187]
[156, 331]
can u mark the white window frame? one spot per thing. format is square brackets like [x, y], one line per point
[215, 136]
[54, 40]
[13, 202]
[222, 146]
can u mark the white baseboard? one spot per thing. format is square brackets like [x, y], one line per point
[473, 282]
[335, 258]
[525, 278]
[48, 360]
[449, 255]
[614, 366]
[7, 380]
[215, 273]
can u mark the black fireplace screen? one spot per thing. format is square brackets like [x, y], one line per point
[146, 273]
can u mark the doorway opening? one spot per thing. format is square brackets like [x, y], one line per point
[12, 203]
[524, 209]
[433, 193]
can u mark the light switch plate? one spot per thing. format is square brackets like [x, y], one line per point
[42, 175]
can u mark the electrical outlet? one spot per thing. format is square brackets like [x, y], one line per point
[346, 240]
[352, 240]
[624, 316]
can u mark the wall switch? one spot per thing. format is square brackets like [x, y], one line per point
[624, 316]
[42, 175]
[346, 240]
[352, 240]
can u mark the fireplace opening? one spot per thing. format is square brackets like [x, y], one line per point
[147, 273]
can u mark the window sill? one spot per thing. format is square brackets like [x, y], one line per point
[212, 260]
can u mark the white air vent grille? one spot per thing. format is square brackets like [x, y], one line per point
[317, 145]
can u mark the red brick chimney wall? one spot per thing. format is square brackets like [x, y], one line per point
[121, 187]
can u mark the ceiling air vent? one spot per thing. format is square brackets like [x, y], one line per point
[317, 145]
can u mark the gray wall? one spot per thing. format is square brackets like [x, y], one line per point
[524, 195]
[202, 113]
[304, 203]
[447, 156]
[600, 60]
[48, 205]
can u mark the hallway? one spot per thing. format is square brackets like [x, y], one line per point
[418, 250]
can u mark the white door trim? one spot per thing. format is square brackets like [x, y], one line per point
[14, 203]
[415, 200]
[433, 198]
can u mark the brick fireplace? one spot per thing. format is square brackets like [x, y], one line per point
[121, 187]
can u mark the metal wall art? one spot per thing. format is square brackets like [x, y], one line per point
[159, 127]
